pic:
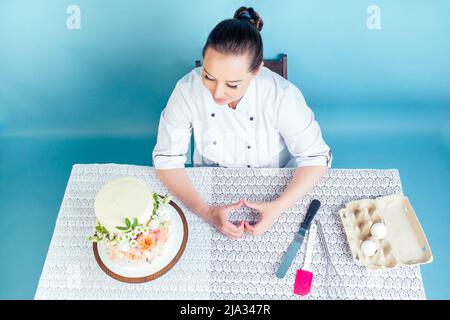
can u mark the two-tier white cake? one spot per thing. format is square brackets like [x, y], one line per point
[133, 226]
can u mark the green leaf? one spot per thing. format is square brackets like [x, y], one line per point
[135, 223]
[128, 222]
[98, 228]
[104, 230]
[156, 199]
[122, 228]
[94, 239]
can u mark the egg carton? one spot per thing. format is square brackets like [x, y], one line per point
[405, 242]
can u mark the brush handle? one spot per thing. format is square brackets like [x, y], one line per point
[309, 247]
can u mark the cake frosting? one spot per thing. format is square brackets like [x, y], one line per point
[133, 223]
[123, 198]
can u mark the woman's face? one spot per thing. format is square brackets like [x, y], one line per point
[226, 76]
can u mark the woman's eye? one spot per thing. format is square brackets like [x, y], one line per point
[228, 85]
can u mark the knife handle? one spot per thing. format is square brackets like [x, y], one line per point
[310, 214]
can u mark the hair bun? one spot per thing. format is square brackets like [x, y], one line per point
[244, 13]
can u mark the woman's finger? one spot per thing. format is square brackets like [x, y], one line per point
[253, 205]
[234, 230]
[249, 228]
[231, 235]
[236, 205]
[254, 230]
[232, 227]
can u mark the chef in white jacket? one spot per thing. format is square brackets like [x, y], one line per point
[242, 115]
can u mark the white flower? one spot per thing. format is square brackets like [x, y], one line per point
[154, 224]
[138, 229]
[122, 237]
[133, 243]
[133, 234]
[146, 230]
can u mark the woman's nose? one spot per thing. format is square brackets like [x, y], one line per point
[218, 92]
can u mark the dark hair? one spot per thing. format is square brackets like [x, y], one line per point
[240, 35]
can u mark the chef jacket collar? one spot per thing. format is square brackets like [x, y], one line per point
[246, 105]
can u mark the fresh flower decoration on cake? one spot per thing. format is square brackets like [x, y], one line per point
[142, 235]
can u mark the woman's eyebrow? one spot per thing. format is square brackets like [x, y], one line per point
[215, 77]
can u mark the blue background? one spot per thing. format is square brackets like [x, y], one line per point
[94, 95]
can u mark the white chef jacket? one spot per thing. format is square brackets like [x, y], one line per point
[272, 126]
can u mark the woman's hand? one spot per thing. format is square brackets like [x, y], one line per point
[268, 215]
[217, 216]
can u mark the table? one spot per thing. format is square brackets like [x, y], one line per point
[215, 267]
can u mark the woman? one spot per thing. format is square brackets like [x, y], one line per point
[242, 115]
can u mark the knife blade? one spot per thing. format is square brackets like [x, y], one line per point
[298, 239]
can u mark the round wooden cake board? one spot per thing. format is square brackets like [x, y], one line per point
[156, 274]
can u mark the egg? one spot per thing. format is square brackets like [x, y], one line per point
[369, 248]
[378, 230]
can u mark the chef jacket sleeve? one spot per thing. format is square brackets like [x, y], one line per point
[301, 132]
[174, 132]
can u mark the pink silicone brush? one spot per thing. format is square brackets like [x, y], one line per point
[304, 276]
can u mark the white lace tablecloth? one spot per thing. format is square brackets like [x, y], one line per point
[214, 267]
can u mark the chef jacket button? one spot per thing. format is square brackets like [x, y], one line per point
[214, 142]
[248, 166]
[213, 114]
[251, 118]
[249, 147]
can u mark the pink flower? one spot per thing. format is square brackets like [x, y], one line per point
[156, 233]
[146, 242]
[164, 233]
[134, 254]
